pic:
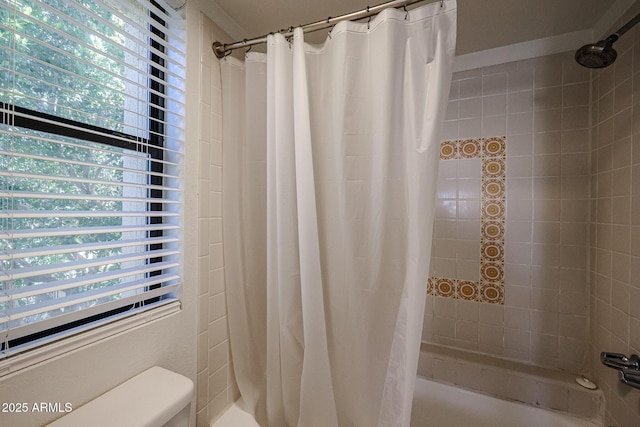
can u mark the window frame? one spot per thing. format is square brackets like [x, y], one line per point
[153, 147]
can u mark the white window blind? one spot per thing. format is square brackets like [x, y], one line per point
[91, 131]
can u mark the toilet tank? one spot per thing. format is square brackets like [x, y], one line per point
[154, 398]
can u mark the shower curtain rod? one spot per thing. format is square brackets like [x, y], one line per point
[223, 49]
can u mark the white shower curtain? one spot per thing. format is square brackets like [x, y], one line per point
[330, 157]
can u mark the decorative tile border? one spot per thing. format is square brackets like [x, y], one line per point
[490, 288]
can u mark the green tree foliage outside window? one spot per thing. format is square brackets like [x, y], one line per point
[66, 71]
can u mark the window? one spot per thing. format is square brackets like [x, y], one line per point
[91, 129]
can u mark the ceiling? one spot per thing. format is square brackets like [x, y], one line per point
[482, 24]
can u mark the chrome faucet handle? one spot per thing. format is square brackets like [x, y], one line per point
[620, 361]
[631, 377]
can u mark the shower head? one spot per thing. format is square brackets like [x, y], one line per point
[597, 55]
[602, 54]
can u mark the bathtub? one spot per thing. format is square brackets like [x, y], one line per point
[442, 405]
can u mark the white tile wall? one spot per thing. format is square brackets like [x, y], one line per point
[573, 203]
[541, 106]
[615, 231]
[216, 388]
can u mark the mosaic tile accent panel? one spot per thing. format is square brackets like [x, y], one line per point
[490, 288]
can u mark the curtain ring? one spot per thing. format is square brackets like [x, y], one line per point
[441, 3]
[369, 22]
[406, 16]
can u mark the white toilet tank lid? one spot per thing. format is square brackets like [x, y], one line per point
[149, 399]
